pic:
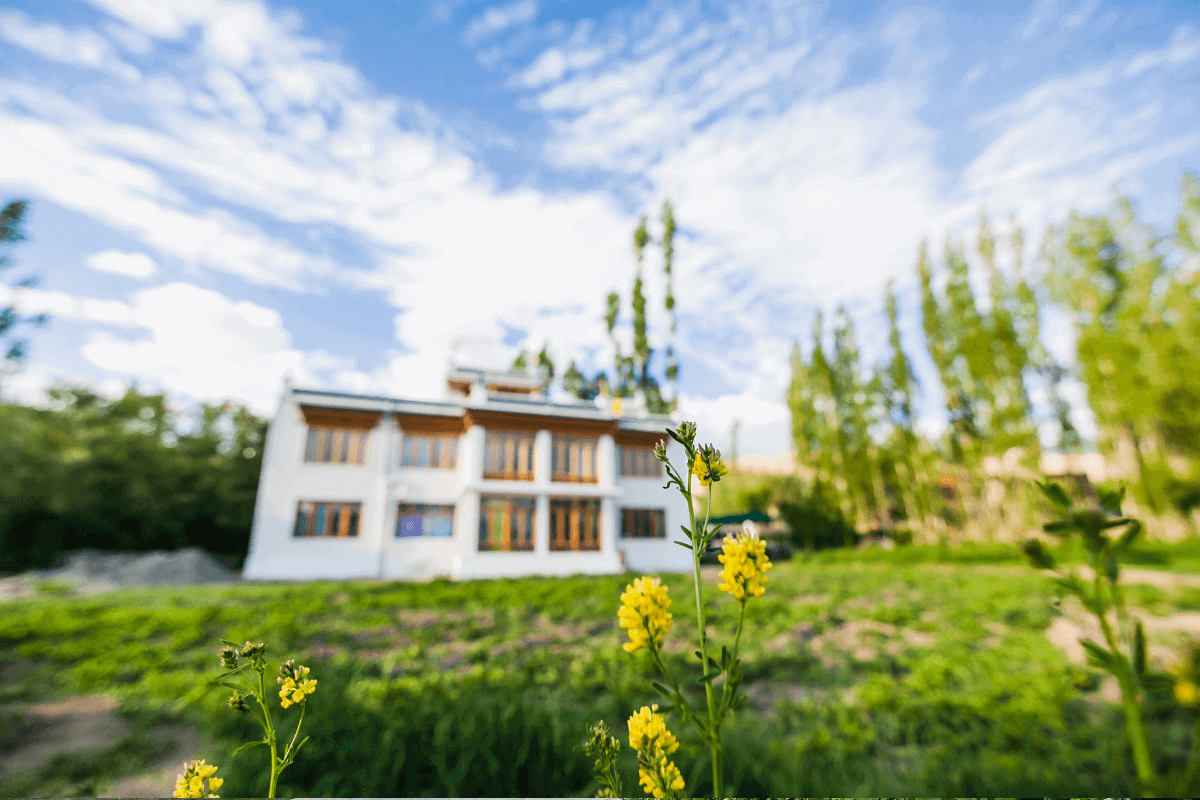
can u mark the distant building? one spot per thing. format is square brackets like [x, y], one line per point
[493, 481]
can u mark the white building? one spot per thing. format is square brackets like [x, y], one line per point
[493, 481]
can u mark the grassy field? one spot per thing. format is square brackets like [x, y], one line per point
[911, 672]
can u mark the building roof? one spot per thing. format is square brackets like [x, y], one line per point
[531, 406]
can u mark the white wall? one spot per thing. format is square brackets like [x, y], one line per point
[381, 485]
[275, 553]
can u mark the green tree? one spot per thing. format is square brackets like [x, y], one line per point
[118, 475]
[12, 219]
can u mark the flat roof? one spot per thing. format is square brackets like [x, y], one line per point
[652, 423]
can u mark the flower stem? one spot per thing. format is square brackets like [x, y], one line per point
[698, 544]
[1134, 729]
[262, 691]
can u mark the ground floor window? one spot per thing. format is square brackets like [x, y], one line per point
[327, 519]
[506, 523]
[419, 519]
[643, 523]
[574, 524]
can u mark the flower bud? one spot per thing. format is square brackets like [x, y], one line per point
[229, 658]
[660, 451]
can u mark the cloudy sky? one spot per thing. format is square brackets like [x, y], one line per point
[224, 192]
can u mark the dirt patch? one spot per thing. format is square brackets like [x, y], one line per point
[158, 778]
[1076, 623]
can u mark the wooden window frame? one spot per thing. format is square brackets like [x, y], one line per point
[639, 461]
[570, 456]
[337, 519]
[519, 509]
[331, 445]
[426, 512]
[442, 445]
[575, 524]
[652, 519]
[512, 448]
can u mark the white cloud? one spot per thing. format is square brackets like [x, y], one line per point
[203, 344]
[1183, 47]
[60, 305]
[131, 265]
[499, 18]
[81, 48]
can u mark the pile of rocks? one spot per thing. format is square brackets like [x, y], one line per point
[90, 571]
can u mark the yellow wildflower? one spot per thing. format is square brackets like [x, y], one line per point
[746, 565]
[644, 613]
[1186, 693]
[708, 465]
[191, 782]
[296, 686]
[648, 735]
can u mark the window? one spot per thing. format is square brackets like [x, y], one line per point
[506, 523]
[418, 519]
[435, 450]
[509, 456]
[336, 445]
[573, 459]
[574, 524]
[327, 519]
[643, 523]
[639, 462]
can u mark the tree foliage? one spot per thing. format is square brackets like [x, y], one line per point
[12, 219]
[116, 475]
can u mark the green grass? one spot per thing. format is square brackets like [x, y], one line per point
[935, 678]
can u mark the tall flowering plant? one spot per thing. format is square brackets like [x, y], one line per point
[645, 615]
[294, 688]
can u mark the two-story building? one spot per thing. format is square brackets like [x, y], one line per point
[492, 481]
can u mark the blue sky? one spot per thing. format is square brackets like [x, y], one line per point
[227, 192]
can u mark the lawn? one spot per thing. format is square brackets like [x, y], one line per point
[914, 672]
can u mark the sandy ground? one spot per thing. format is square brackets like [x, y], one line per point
[88, 724]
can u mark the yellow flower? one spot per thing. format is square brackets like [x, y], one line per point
[296, 686]
[708, 465]
[1186, 693]
[644, 613]
[191, 782]
[746, 565]
[648, 735]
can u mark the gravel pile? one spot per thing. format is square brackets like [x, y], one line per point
[159, 568]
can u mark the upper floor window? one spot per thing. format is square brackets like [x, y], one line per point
[573, 459]
[506, 523]
[437, 450]
[336, 445]
[639, 462]
[643, 523]
[508, 456]
[419, 519]
[327, 519]
[574, 524]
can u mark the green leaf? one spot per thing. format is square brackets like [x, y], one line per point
[1037, 554]
[1060, 528]
[1098, 656]
[699, 655]
[1128, 536]
[709, 678]
[1056, 494]
[685, 545]
[663, 689]
[248, 745]
[1139, 648]
[1112, 570]
[724, 657]
[1111, 501]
